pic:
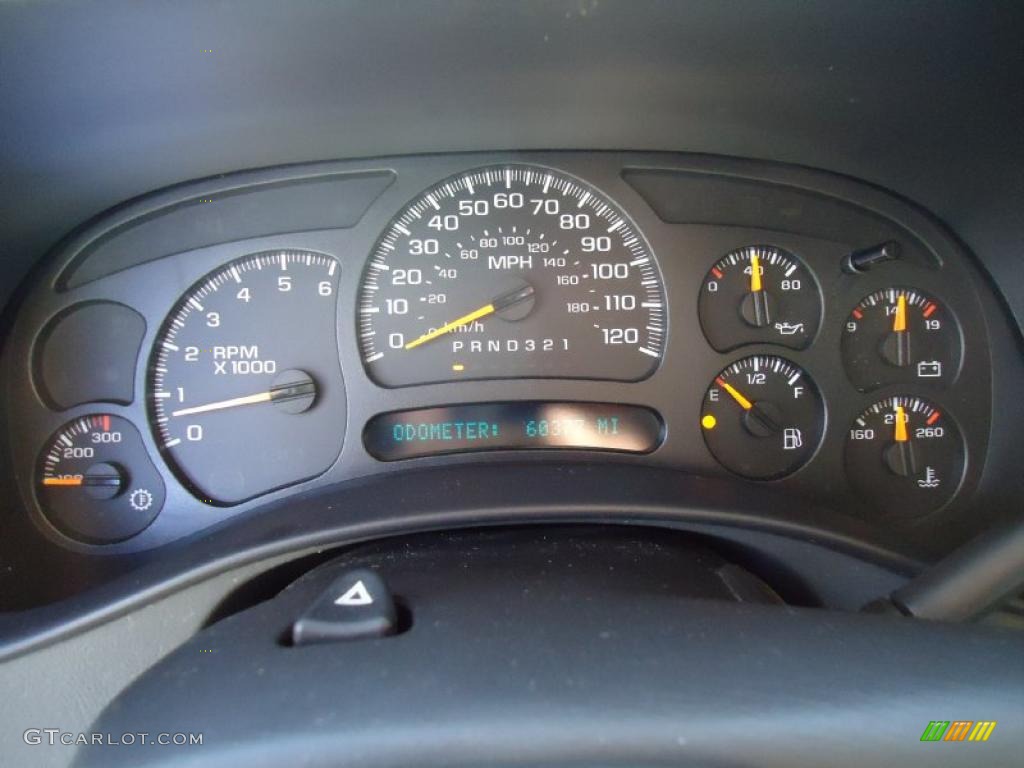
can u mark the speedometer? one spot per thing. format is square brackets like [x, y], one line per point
[508, 272]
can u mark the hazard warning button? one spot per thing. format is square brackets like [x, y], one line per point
[356, 605]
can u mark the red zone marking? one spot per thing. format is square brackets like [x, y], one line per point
[858, 314]
[106, 423]
[933, 418]
[929, 310]
[716, 272]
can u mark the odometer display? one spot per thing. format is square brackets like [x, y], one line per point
[512, 426]
[508, 272]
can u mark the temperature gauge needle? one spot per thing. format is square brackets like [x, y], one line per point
[504, 301]
[900, 455]
[303, 388]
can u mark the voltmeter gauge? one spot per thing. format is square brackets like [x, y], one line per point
[905, 456]
[901, 336]
[96, 482]
[759, 294]
[762, 417]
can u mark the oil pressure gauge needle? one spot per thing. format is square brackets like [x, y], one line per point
[291, 387]
[504, 301]
[755, 305]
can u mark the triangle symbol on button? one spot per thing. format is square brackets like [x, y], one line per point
[357, 594]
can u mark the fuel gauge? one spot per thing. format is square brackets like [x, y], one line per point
[762, 417]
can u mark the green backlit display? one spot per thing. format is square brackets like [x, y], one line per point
[512, 426]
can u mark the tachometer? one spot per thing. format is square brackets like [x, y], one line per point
[507, 272]
[245, 384]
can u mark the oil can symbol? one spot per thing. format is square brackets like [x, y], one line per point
[930, 479]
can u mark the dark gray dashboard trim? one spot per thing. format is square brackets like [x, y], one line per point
[479, 496]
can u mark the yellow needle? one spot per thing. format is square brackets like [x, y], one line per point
[755, 272]
[476, 314]
[899, 322]
[744, 403]
[62, 481]
[901, 425]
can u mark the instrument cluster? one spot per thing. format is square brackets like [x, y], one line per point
[587, 304]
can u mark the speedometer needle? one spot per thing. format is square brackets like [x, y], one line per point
[504, 301]
[302, 387]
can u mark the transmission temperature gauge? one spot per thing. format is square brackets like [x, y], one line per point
[762, 417]
[96, 482]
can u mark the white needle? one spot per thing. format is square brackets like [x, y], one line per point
[234, 402]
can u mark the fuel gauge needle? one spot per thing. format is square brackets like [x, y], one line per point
[745, 404]
[755, 412]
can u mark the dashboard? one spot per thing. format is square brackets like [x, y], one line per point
[558, 382]
[211, 348]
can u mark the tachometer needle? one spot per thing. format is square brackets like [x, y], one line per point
[293, 390]
[504, 301]
[220, 405]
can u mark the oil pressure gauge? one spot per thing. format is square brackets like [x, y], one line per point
[905, 455]
[759, 294]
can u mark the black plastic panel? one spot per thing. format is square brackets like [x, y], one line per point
[161, 227]
[572, 647]
[88, 354]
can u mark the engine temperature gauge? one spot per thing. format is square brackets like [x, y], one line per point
[905, 455]
[759, 294]
[96, 482]
[900, 336]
